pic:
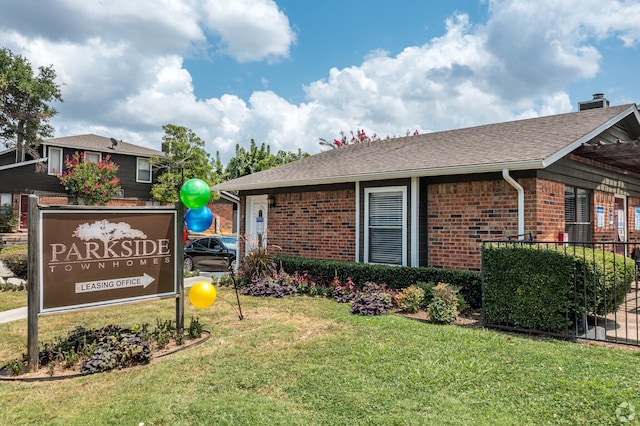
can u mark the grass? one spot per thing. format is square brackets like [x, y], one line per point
[12, 300]
[307, 361]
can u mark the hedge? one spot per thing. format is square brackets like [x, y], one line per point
[16, 262]
[394, 277]
[546, 287]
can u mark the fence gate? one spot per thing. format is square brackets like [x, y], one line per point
[582, 290]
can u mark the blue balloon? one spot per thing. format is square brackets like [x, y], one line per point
[198, 220]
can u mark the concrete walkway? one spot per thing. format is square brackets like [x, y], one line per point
[21, 313]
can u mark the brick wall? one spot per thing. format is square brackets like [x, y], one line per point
[317, 225]
[321, 224]
[462, 214]
[223, 213]
[544, 208]
[632, 203]
[53, 200]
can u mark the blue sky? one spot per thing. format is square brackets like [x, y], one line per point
[289, 72]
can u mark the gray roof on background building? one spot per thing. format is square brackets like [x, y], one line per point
[91, 142]
[526, 144]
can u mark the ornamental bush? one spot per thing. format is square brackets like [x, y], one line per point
[89, 182]
[444, 307]
[268, 287]
[410, 299]
[372, 300]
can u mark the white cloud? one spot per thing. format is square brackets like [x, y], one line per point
[251, 30]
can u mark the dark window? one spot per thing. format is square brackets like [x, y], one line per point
[577, 213]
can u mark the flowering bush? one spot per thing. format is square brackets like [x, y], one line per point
[90, 182]
[358, 137]
[306, 284]
[343, 292]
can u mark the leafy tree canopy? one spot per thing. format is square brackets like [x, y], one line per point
[186, 159]
[254, 160]
[24, 102]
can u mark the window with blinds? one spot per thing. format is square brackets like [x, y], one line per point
[577, 213]
[386, 230]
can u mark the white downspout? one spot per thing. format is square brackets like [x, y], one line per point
[511, 181]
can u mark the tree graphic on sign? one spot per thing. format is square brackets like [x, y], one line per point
[106, 232]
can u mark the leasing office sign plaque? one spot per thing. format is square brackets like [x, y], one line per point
[97, 257]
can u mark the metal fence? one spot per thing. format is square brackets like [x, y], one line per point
[603, 298]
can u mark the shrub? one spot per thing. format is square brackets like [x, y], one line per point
[410, 299]
[372, 300]
[440, 312]
[343, 292]
[428, 292]
[163, 333]
[17, 263]
[268, 287]
[8, 219]
[306, 284]
[226, 280]
[444, 307]
[195, 328]
[256, 265]
[547, 288]
[395, 277]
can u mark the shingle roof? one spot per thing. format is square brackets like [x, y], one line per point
[523, 144]
[97, 143]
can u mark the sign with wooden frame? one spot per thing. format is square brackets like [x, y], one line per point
[88, 257]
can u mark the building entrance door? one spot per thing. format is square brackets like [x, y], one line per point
[256, 225]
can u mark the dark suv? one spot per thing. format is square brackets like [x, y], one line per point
[211, 254]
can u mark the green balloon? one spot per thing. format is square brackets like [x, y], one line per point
[195, 193]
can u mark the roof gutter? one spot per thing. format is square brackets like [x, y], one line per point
[511, 181]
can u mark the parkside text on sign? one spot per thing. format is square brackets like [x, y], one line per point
[98, 257]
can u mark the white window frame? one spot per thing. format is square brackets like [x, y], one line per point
[138, 161]
[88, 155]
[52, 167]
[5, 199]
[367, 192]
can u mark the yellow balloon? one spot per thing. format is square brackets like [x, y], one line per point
[202, 294]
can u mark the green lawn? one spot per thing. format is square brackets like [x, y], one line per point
[12, 300]
[307, 361]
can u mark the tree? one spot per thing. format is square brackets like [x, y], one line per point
[24, 103]
[360, 136]
[107, 232]
[186, 159]
[90, 182]
[257, 159]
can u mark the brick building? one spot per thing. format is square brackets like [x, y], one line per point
[431, 199]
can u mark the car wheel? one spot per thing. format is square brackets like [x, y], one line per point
[233, 265]
[188, 264]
